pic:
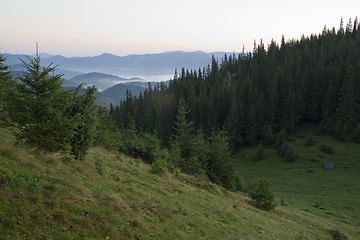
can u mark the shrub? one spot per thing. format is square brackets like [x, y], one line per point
[138, 144]
[327, 149]
[337, 235]
[261, 195]
[159, 166]
[310, 142]
[239, 181]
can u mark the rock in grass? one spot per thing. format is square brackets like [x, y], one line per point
[328, 166]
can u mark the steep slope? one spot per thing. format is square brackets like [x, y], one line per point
[111, 196]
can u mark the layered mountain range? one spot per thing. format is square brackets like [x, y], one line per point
[110, 71]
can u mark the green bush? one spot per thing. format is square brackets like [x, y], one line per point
[159, 166]
[261, 195]
[140, 145]
[310, 142]
[326, 148]
[239, 181]
[337, 235]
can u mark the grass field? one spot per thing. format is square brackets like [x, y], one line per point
[332, 194]
[111, 196]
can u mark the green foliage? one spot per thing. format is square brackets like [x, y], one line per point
[261, 195]
[139, 144]
[49, 118]
[220, 169]
[84, 121]
[239, 181]
[310, 142]
[159, 166]
[290, 155]
[107, 134]
[6, 86]
[38, 108]
[337, 235]
[356, 134]
[268, 138]
[184, 131]
[254, 95]
[326, 148]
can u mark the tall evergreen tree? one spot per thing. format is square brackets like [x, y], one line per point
[346, 116]
[38, 106]
[220, 168]
[6, 85]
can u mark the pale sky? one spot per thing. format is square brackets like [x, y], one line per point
[122, 27]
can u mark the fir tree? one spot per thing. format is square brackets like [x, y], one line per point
[38, 107]
[6, 85]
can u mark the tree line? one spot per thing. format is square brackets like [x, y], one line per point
[253, 96]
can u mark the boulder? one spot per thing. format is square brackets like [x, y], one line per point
[328, 166]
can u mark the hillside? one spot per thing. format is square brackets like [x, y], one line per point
[111, 196]
[117, 93]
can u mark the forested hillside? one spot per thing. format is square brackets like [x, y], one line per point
[252, 96]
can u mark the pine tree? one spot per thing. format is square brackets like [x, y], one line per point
[84, 121]
[220, 168]
[261, 196]
[346, 117]
[38, 106]
[184, 131]
[6, 85]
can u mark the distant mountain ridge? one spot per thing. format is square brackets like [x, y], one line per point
[104, 70]
[101, 80]
[131, 65]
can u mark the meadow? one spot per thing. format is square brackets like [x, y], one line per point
[304, 184]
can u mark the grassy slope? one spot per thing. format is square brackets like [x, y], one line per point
[334, 195]
[110, 195]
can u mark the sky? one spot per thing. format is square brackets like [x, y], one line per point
[123, 27]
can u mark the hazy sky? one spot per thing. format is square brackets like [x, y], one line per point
[122, 27]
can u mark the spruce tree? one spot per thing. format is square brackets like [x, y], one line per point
[38, 105]
[6, 85]
[84, 121]
[346, 117]
[261, 195]
[220, 169]
[184, 131]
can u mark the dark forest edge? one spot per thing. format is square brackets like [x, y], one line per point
[192, 124]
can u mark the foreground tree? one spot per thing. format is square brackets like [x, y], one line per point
[220, 169]
[261, 195]
[6, 84]
[38, 105]
[48, 117]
